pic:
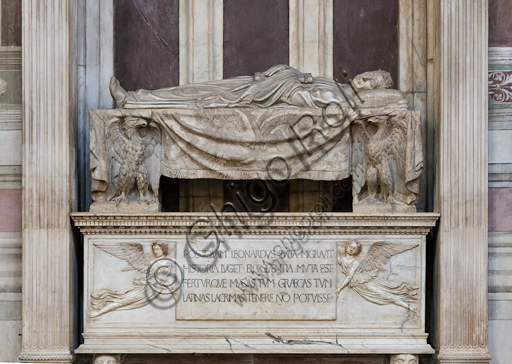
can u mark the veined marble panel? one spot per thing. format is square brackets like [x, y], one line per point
[273, 283]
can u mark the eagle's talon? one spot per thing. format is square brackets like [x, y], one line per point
[370, 200]
[119, 199]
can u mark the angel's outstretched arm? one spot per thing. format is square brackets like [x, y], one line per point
[349, 277]
[161, 280]
[173, 292]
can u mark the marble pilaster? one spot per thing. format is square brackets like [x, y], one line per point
[200, 40]
[96, 66]
[311, 36]
[49, 294]
[460, 55]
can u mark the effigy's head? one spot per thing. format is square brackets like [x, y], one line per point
[372, 80]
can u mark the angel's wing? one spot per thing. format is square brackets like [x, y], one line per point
[153, 155]
[378, 255]
[359, 142]
[115, 150]
[132, 253]
[396, 142]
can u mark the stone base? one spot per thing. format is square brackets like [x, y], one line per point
[306, 343]
[381, 208]
[123, 207]
[295, 309]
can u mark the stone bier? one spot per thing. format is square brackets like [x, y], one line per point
[278, 124]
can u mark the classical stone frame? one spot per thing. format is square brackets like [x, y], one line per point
[458, 29]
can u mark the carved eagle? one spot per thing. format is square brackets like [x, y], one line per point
[134, 148]
[378, 159]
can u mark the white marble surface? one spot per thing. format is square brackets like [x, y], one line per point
[10, 341]
[10, 118]
[10, 296]
[201, 35]
[500, 148]
[499, 341]
[10, 147]
[461, 28]
[237, 285]
[311, 36]
[357, 326]
[49, 98]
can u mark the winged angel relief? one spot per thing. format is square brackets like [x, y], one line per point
[135, 153]
[361, 274]
[160, 276]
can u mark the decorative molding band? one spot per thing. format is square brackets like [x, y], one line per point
[500, 84]
[470, 356]
[57, 358]
[311, 36]
[10, 177]
[258, 224]
[10, 119]
[201, 37]
[10, 56]
[499, 239]
[500, 55]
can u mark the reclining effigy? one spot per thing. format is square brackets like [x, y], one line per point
[279, 124]
[233, 282]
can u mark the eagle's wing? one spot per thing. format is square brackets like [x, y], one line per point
[379, 254]
[359, 142]
[132, 253]
[153, 155]
[396, 142]
[115, 151]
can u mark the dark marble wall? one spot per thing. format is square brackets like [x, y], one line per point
[365, 37]
[500, 24]
[11, 23]
[255, 35]
[146, 43]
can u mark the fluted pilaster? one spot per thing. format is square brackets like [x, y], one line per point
[461, 57]
[48, 99]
